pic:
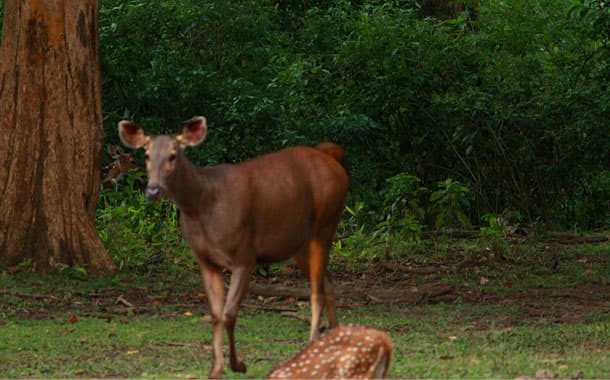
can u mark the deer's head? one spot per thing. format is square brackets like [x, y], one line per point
[162, 151]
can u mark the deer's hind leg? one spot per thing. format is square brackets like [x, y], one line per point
[313, 261]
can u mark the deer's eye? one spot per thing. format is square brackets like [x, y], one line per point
[147, 157]
[172, 157]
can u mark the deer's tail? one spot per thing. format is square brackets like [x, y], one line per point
[336, 152]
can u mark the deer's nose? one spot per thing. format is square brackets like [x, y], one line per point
[153, 193]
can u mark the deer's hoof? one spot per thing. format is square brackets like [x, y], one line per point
[215, 374]
[238, 366]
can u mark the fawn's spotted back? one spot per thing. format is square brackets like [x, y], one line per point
[347, 352]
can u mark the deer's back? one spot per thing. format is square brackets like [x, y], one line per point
[271, 205]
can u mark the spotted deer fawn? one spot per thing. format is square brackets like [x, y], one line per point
[122, 163]
[347, 352]
[268, 209]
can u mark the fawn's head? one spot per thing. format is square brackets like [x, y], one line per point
[121, 160]
[162, 151]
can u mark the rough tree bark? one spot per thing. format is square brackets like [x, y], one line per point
[51, 135]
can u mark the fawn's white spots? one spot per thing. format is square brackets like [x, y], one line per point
[354, 352]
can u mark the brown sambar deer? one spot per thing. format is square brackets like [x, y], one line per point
[268, 209]
[346, 352]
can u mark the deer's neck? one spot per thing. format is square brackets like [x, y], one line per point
[188, 187]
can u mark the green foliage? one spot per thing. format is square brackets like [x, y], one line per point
[403, 210]
[450, 204]
[509, 99]
[493, 230]
[492, 235]
[403, 196]
[589, 204]
[163, 62]
[135, 231]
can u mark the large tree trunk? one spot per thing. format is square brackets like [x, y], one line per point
[51, 135]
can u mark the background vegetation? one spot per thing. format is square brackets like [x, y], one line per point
[451, 115]
[505, 103]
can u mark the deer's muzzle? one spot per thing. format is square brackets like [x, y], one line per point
[153, 193]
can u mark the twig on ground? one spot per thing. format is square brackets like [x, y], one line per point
[278, 291]
[26, 295]
[394, 267]
[122, 301]
[298, 316]
[269, 308]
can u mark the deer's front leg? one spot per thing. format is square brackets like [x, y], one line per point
[237, 290]
[212, 279]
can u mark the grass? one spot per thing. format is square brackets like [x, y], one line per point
[553, 316]
[440, 343]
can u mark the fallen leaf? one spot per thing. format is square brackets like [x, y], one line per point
[290, 300]
[453, 338]
[72, 319]
[287, 270]
[412, 283]
[447, 357]
[545, 374]
[508, 284]
[155, 303]
[590, 271]
[483, 281]
[200, 294]
[578, 375]
[132, 352]
[189, 313]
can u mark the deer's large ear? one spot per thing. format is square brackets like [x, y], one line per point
[193, 132]
[132, 135]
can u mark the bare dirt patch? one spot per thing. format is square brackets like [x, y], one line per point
[398, 285]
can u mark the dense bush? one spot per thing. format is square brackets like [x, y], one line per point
[509, 100]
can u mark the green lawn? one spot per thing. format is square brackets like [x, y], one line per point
[440, 342]
[70, 325]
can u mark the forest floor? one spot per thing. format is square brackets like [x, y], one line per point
[456, 308]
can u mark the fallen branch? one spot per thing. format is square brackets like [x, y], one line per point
[393, 267]
[580, 240]
[429, 294]
[452, 233]
[26, 295]
[278, 291]
[269, 308]
[122, 301]
[410, 295]
[296, 315]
